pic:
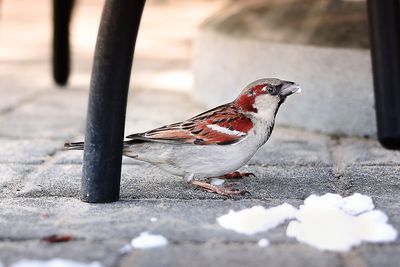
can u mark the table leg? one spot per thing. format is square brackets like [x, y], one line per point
[107, 100]
[62, 10]
[384, 22]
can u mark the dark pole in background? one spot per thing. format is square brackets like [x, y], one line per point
[62, 10]
[107, 100]
[384, 22]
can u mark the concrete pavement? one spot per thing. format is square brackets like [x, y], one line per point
[39, 183]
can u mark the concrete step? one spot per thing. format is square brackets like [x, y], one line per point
[322, 45]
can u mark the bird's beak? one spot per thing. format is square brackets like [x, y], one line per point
[289, 88]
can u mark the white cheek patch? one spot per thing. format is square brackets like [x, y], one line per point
[266, 106]
[224, 130]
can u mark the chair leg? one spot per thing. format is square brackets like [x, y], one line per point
[62, 10]
[107, 100]
[384, 22]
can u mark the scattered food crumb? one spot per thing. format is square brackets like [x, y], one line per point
[146, 240]
[217, 181]
[357, 203]
[256, 219]
[330, 222]
[263, 242]
[54, 263]
[153, 219]
[57, 238]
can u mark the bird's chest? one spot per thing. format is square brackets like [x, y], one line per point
[259, 134]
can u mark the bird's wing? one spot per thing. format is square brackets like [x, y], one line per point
[220, 126]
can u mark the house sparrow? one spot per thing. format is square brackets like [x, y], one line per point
[215, 143]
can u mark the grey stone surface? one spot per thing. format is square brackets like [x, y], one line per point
[52, 180]
[320, 22]
[243, 254]
[375, 181]
[142, 180]
[337, 96]
[385, 255]
[100, 230]
[11, 176]
[189, 225]
[52, 115]
[368, 152]
[391, 207]
[273, 182]
[27, 151]
[11, 96]
[40, 197]
[178, 220]
[294, 147]
[40, 183]
[95, 250]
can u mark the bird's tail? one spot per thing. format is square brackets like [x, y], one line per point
[79, 145]
[74, 146]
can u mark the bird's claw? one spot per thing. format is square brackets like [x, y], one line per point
[233, 192]
[238, 175]
[220, 190]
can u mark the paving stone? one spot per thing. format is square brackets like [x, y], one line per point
[384, 255]
[69, 157]
[289, 182]
[293, 147]
[182, 222]
[11, 175]
[53, 180]
[11, 96]
[80, 250]
[142, 180]
[367, 152]
[391, 207]
[375, 181]
[178, 220]
[189, 225]
[215, 254]
[55, 115]
[29, 151]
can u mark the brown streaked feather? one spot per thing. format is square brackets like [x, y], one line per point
[196, 131]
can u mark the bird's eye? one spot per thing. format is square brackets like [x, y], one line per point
[270, 90]
[250, 93]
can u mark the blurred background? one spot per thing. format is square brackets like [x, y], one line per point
[208, 50]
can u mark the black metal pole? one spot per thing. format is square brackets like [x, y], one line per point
[62, 10]
[107, 100]
[384, 22]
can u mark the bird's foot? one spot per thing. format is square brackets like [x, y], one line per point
[237, 175]
[220, 190]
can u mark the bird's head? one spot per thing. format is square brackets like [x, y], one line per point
[263, 97]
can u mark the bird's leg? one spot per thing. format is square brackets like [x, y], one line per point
[237, 175]
[218, 189]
